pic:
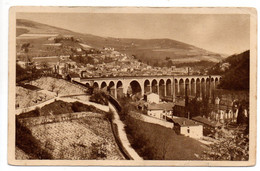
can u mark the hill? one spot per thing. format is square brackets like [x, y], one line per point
[234, 70]
[150, 51]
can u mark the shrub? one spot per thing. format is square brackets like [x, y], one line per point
[33, 113]
[126, 107]
[79, 107]
[109, 115]
[99, 97]
[98, 151]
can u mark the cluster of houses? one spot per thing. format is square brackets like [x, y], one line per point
[109, 62]
[106, 62]
[153, 106]
[222, 111]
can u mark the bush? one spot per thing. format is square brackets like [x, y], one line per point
[98, 151]
[109, 115]
[33, 113]
[79, 107]
[99, 97]
[126, 107]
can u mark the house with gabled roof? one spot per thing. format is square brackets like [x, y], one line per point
[187, 127]
[161, 110]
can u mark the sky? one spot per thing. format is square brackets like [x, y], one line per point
[220, 33]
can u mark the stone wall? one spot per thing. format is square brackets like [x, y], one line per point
[69, 100]
[152, 120]
[32, 121]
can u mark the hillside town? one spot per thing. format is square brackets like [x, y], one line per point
[88, 62]
[64, 84]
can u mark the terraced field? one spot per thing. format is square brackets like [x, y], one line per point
[27, 97]
[44, 89]
[63, 87]
[80, 139]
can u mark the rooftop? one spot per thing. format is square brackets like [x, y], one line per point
[206, 121]
[160, 106]
[148, 93]
[185, 122]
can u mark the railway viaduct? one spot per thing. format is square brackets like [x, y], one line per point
[166, 86]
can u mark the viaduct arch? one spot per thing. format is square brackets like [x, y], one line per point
[165, 86]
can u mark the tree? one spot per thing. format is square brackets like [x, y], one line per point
[99, 97]
[169, 63]
[53, 86]
[231, 145]
[21, 73]
[241, 118]
[129, 91]
[25, 47]
[167, 58]
[195, 107]
[205, 106]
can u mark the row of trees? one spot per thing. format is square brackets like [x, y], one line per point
[83, 59]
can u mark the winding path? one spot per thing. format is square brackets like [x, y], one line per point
[116, 120]
[122, 134]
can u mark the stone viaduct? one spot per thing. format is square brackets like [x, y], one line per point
[166, 86]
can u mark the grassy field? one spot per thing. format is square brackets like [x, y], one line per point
[154, 142]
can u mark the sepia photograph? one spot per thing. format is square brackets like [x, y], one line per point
[132, 86]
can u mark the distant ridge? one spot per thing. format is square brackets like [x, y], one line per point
[152, 51]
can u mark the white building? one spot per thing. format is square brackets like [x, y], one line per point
[188, 127]
[160, 110]
[152, 98]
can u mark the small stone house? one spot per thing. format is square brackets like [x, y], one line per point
[188, 127]
[152, 98]
[160, 111]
